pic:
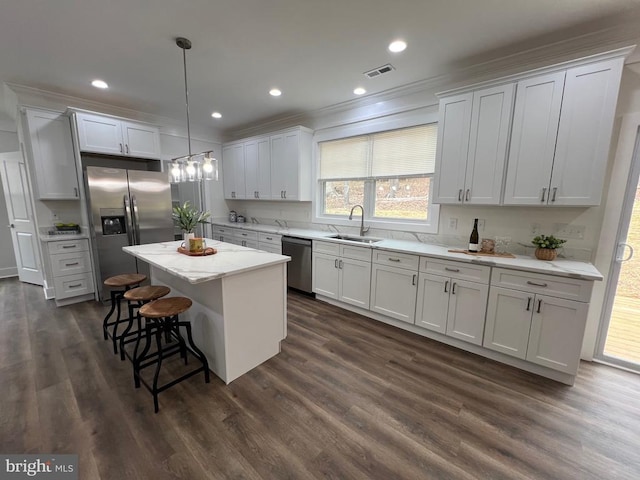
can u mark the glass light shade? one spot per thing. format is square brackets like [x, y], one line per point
[191, 171]
[210, 167]
[176, 172]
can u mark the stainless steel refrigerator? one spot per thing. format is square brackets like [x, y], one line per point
[127, 207]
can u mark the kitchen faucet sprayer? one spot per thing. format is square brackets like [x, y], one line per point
[363, 230]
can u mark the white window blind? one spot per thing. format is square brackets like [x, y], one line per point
[345, 158]
[410, 151]
[403, 152]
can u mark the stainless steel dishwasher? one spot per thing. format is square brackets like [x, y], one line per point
[299, 268]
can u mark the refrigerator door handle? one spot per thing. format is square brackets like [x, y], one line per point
[128, 219]
[135, 220]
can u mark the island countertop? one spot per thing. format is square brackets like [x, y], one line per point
[230, 260]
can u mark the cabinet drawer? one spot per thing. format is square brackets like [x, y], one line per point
[356, 253]
[246, 235]
[268, 247]
[330, 248]
[272, 238]
[458, 270]
[224, 230]
[70, 263]
[73, 285]
[395, 259]
[569, 288]
[68, 246]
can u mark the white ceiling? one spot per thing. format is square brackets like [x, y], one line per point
[315, 51]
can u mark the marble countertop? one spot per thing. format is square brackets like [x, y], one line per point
[230, 260]
[560, 267]
[60, 238]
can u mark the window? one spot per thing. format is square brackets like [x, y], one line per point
[389, 173]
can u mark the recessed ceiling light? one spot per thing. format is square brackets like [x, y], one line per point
[274, 92]
[100, 84]
[359, 91]
[397, 46]
[216, 115]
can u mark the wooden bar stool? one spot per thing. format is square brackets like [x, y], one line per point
[136, 298]
[118, 284]
[162, 317]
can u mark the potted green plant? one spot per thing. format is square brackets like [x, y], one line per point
[188, 217]
[546, 246]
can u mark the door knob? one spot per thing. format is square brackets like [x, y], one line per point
[11, 226]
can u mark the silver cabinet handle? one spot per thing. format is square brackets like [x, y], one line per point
[285, 194]
[453, 288]
[340, 263]
[75, 191]
[535, 284]
[221, 238]
[75, 285]
[460, 195]
[448, 269]
[69, 246]
[539, 305]
[269, 238]
[553, 196]
[528, 304]
[413, 280]
[335, 263]
[244, 234]
[391, 259]
[446, 285]
[544, 192]
[120, 148]
[281, 193]
[126, 147]
[467, 195]
[71, 264]
[244, 243]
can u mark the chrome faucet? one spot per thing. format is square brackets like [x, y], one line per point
[363, 230]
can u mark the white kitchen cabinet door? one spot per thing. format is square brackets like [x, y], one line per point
[433, 302]
[285, 150]
[142, 141]
[264, 168]
[53, 158]
[467, 309]
[233, 171]
[325, 280]
[355, 281]
[454, 123]
[99, 134]
[393, 292]
[584, 134]
[490, 121]
[508, 321]
[533, 139]
[557, 330]
[251, 173]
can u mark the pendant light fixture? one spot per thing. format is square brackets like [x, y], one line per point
[192, 167]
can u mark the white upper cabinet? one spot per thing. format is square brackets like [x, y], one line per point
[561, 135]
[233, 171]
[533, 139]
[277, 167]
[112, 136]
[50, 147]
[472, 145]
[257, 168]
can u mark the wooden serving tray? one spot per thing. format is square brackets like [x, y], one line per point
[207, 251]
[484, 254]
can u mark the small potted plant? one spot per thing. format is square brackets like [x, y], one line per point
[546, 246]
[187, 218]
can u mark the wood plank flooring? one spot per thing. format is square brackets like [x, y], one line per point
[347, 398]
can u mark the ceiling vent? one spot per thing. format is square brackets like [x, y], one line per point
[376, 72]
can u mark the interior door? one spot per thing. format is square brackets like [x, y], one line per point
[20, 213]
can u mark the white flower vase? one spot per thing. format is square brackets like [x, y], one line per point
[186, 236]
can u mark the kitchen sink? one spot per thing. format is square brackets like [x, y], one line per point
[355, 238]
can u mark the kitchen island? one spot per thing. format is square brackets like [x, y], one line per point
[239, 311]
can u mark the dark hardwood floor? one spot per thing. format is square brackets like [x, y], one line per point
[347, 398]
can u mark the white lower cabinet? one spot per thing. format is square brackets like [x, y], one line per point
[542, 329]
[342, 272]
[452, 305]
[71, 269]
[393, 291]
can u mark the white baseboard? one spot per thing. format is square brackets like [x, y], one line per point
[7, 272]
[49, 292]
